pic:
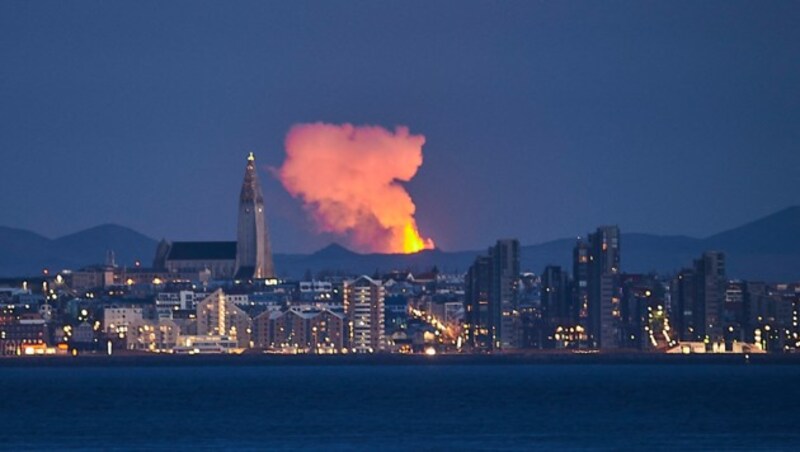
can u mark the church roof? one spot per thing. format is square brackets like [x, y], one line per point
[245, 272]
[187, 251]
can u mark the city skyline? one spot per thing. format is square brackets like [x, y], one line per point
[548, 118]
[448, 225]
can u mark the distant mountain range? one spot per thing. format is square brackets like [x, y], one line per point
[25, 253]
[766, 249]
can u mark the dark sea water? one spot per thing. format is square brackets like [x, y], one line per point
[398, 407]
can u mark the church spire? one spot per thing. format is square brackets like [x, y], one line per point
[251, 189]
[253, 251]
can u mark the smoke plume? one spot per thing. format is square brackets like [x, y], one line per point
[348, 178]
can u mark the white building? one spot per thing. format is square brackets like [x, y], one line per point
[184, 299]
[219, 316]
[205, 344]
[117, 320]
[364, 306]
[158, 336]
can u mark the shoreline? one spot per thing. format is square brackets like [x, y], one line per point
[255, 359]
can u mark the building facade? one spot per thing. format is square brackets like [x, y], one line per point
[219, 316]
[556, 298]
[480, 326]
[300, 329]
[604, 287]
[698, 297]
[490, 303]
[364, 306]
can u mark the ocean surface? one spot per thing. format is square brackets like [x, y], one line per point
[402, 407]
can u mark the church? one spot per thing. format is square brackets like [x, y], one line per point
[249, 257]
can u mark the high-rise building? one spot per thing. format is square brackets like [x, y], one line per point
[698, 298]
[711, 285]
[604, 287]
[734, 313]
[580, 286]
[644, 319]
[609, 311]
[505, 278]
[490, 302]
[683, 305]
[364, 307]
[769, 316]
[556, 298]
[479, 329]
[253, 253]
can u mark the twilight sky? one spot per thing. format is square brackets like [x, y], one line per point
[541, 119]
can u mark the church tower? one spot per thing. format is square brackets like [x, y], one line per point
[253, 253]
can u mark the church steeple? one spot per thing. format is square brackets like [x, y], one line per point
[251, 189]
[253, 251]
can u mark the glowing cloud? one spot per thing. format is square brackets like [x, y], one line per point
[348, 179]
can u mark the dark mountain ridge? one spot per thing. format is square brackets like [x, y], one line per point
[24, 253]
[765, 249]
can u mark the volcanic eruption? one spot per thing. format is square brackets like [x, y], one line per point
[349, 179]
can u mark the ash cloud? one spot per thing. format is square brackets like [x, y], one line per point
[349, 180]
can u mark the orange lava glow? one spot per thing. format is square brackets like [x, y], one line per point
[350, 180]
[413, 242]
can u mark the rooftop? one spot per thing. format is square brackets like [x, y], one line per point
[202, 251]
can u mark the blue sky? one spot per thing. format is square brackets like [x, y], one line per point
[542, 119]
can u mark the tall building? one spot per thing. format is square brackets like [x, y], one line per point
[580, 286]
[756, 308]
[480, 327]
[683, 305]
[250, 256]
[712, 283]
[604, 287]
[556, 299]
[253, 253]
[490, 302]
[505, 278]
[698, 296]
[644, 319]
[364, 307]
